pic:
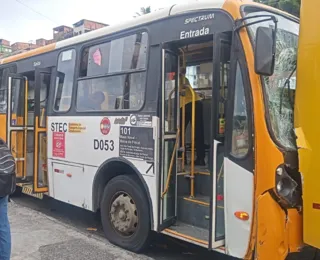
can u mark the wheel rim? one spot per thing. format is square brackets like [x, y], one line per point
[123, 214]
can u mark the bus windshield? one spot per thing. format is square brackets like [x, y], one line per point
[279, 89]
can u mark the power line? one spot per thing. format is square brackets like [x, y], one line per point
[18, 1]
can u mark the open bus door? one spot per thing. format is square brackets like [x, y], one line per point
[168, 212]
[40, 174]
[17, 122]
[26, 129]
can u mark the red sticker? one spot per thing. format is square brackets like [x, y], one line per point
[97, 57]
[105, 126]
[219, 197]
[58, 144]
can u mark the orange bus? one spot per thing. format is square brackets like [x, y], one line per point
[112, 120]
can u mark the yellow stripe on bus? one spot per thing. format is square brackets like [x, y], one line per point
[34, 52]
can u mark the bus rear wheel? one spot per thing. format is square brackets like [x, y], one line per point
[125, 213]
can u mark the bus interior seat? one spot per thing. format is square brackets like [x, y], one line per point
[105, 103]
[118, 102]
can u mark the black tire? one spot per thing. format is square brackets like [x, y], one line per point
[130, 185]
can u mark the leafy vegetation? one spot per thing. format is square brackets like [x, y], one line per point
[290, 6]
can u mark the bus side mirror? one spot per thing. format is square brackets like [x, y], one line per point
[264, 55]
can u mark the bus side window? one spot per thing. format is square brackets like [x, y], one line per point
[64, 80]
[240, 137]
[3, 87]
[125, 56]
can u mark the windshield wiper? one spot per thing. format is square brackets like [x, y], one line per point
[287, 83]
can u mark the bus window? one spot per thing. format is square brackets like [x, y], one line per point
[105, 93]
[121, 54]
[64, 80]
[240, 138]
[128, 53]
[3, 87]
[95, 60]
[200, 77]
[171, 72]
[44, 92]
[278, 93]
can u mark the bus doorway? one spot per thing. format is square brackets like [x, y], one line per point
[26, 128]
[192, 194]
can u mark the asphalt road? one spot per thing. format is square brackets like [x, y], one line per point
[49, 229]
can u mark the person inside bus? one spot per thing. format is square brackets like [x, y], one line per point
[199, 131]
[92, 102]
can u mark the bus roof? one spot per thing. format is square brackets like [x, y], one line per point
[144, 19]
[141, 20]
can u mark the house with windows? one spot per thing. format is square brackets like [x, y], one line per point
[5, 48]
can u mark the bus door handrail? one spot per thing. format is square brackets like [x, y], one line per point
[169, 106]
[24, 174]
[183, 134]
[183, 112]
[193, 110]
[171, 165]
[192, 140]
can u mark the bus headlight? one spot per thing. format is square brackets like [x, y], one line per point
[286, 189]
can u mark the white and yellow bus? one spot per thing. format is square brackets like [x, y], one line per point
[94, 121]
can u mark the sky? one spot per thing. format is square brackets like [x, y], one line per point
[28, 20]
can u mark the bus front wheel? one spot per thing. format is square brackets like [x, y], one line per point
[125, 213]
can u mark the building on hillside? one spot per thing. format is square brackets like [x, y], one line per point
[84, 26]
[23, 46]
[62, 32]
[42, 42]
[50, 41]
[59, 33]
[5, 47]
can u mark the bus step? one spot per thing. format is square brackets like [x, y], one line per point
[28, 189]
[24, 180]
[200, 208]
[203, 184]
[197, 234]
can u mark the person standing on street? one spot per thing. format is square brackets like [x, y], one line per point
[5, 234]
[7, 187]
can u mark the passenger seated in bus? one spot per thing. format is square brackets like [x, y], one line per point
[199, 132]
[92, 102]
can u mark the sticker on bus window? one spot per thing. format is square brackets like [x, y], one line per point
[59, 144]
[97, 57]
[67, 55]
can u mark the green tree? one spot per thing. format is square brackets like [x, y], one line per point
[290, 6]
[143, 10]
